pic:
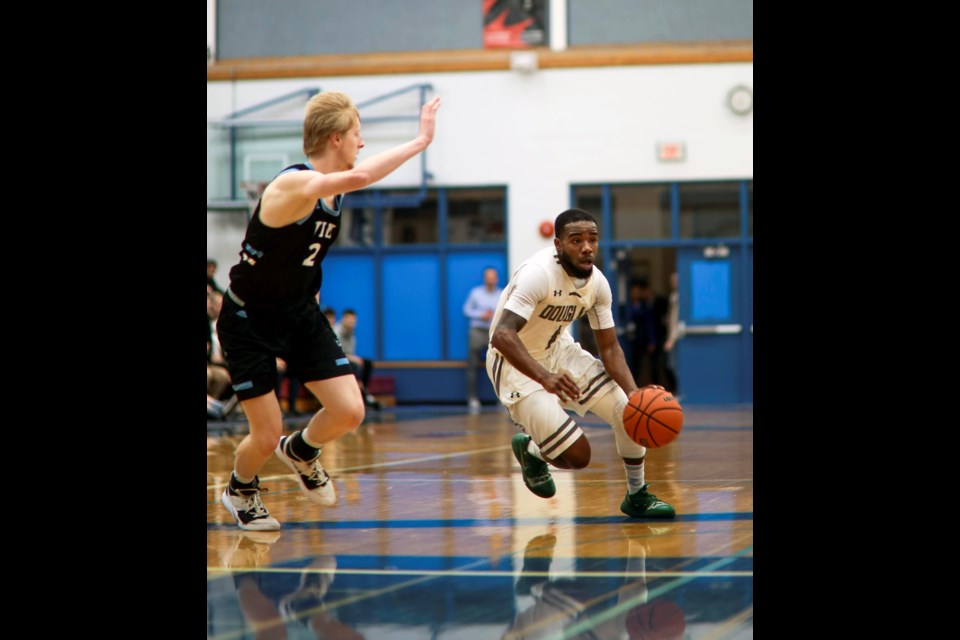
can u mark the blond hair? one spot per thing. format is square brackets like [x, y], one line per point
[327, 113]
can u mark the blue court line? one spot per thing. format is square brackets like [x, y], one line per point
[459, 523]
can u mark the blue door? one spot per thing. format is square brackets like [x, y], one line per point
[716, 306]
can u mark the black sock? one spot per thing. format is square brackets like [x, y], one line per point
[237, 485]
[300, 449]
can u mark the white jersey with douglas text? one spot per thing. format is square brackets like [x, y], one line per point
[541, 292]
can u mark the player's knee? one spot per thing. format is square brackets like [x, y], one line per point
[350, 414]
[577, 455]
[265, 442]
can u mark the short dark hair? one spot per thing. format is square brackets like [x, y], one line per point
[328, 311]
[211, 261]
[348, 311]
[568, 216]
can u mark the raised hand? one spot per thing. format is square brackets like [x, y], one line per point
[428, 119]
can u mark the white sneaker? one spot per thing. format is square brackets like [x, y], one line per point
[474, 405]
[313, 480]
[245, 507]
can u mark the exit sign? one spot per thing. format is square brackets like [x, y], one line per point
[671, 151]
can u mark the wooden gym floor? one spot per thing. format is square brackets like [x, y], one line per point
[435, 536]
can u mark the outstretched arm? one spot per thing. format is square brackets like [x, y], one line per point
[377, 167]
[292, 192]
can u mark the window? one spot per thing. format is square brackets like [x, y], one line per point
[411, 225]
[710, 210]
[357, 230]
[590, 199]
[641, 212]
[476, 215]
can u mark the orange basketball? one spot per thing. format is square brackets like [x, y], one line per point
[653, 417]
[657, 620]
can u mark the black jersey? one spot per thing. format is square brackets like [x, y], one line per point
[280, 267]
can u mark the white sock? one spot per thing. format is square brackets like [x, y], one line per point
[634, 477]
[534, 450]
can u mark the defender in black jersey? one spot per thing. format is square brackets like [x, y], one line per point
[270, 308]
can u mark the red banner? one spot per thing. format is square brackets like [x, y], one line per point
[514, 23]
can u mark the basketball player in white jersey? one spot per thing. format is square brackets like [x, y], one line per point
[538, 370]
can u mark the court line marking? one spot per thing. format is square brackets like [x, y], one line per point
[504, 521]
[433, 574]
[329, 606]
[640, 599]
[730, 625]
[460, 573]
[380, 465]
[589, 622]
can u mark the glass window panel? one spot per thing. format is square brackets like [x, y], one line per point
[476, 215]
[411, 225]
[641, 212]
[357, 228]
[710, 210]
[589, 199]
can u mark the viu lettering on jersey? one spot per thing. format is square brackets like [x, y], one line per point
[325, 229]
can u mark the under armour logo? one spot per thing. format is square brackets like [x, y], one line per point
[514, 394]
[557, 293]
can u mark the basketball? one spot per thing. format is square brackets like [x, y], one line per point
[653, 417]
[657, 620]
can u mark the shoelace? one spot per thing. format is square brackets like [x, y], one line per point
[312, 471]
[540, 479]
[255, 506]
[645, 499]
[538, 467]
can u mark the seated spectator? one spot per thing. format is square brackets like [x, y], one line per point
[362, 367]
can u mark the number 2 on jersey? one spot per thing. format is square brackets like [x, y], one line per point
[315, 247]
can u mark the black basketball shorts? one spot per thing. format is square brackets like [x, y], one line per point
[252, 339]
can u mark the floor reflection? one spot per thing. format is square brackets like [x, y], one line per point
[533, 595]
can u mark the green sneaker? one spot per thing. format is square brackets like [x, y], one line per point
[644, 504]
[536, 475]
